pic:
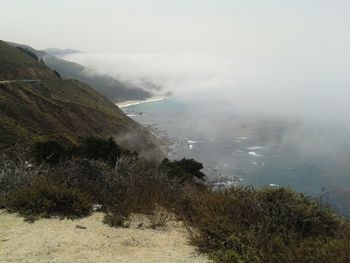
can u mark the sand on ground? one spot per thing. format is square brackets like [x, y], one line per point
[60, 241]
[128, 103]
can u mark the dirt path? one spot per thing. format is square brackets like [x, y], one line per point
[54, 240]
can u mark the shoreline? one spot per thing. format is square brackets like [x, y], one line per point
[129, 103]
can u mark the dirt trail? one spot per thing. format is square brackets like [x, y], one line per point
[60, 241]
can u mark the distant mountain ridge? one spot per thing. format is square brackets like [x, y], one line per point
[37, 104]
[57, 52]
[114, 90]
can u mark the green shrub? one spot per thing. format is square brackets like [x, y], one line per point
[45, 197]
[93, 177]
[267, 225]
[185, 170]
[98, 149]
[50, 152]
[92, 148]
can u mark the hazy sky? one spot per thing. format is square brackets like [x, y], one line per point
[254, 26]
[277, 55]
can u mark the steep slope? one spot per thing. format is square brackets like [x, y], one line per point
[113, 89]
[15, 65]
[35, 104]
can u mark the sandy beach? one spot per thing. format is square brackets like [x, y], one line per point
[60, 241]
[136, 102]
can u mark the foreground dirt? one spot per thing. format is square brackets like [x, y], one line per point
[60, 241]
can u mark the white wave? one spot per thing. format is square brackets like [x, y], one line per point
[256, 148]
[255, 154]
[242, 138]
[193, 142]
[173, 146]
[274, 185]
[131, 115]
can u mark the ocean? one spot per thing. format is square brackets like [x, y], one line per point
[250, 150]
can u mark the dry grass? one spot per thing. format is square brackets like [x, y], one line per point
[159, 218]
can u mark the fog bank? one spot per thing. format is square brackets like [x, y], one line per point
[293, 87]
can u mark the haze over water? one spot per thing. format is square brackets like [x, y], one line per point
[252, 150]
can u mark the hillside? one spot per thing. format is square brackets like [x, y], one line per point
[113, 89]
[35, 104]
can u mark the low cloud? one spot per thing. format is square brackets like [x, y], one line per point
[295, 86]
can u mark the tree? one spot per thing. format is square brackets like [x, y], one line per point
[51, 152]
[186, 169]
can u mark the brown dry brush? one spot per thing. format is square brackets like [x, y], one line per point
[239, 224]
[16, 170]
[135, 185]
[159, 217]
[141, 188]
[268, 225]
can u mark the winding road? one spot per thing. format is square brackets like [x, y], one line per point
[20, 80]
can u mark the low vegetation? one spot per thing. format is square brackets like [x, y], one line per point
[92, 148]
[239, 224]
[159, 217]
[185, 170]
[267, 225]
[44, 198]
[116, 219]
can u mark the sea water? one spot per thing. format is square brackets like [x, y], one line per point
[245, 150]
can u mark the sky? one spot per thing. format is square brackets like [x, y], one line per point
[168, 26]
[277, 55]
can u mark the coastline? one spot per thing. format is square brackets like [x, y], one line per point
[128, 103]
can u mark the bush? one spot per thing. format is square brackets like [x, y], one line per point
[45, 198]
[17, 170]
[139, 185]
[159, 217]
[115, 219]
[134, 185]
[93, 177]
[99, 149]
[50, 152]
[268, 225]
[185, 170]
[92, 148]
